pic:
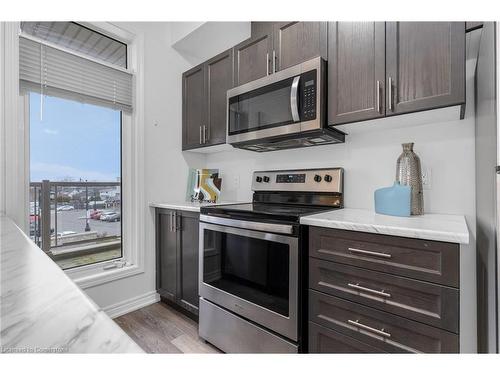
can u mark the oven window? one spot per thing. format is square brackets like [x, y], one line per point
[262, 108]
[253, 269]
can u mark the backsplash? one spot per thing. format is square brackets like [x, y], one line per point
[369, 158]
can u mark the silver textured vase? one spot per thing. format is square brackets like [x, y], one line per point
[409, 172]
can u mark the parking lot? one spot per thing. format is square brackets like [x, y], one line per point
[74, 220]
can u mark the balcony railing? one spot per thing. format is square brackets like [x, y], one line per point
[71, 219]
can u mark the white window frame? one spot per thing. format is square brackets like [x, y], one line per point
[134, 206]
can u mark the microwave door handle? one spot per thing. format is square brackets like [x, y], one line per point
[294, 103]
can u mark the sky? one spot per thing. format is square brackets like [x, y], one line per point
[73, 140]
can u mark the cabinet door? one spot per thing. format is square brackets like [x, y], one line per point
[325, 340]
[188, 228]
[252, 59]
[425, 63]
[260, 28]
[219, 71]
[166, 255]
[356, 71]
[193, 107]
[296, 42]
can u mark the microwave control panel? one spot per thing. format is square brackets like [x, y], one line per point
[309, 93]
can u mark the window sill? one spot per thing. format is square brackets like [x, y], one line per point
[95, 274]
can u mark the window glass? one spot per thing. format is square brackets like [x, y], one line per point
[75, 165]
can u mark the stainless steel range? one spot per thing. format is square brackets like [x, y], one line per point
[253, 261]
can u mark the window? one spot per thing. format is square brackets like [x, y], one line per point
[75, 163]
[76, 102]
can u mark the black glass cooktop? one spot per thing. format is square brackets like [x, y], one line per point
[263, 211]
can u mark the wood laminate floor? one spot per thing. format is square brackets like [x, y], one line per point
[159, 328]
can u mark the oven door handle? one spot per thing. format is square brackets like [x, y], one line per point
[294, 100]
[252, 225]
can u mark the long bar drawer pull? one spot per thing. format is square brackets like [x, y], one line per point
[356, 323]
[364, 289]
[370, 253]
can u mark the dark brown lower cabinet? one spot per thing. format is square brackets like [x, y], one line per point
[177, 234]
[325, 340]
[363, 297]
[387, 332]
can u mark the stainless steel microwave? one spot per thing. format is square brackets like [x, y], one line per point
[282, 110]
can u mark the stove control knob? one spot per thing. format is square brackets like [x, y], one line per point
[328, 178]
[266, 178]
[317, 178]
[258, 179]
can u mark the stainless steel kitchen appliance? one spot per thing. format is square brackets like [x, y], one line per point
[282, 110]
[252, 259]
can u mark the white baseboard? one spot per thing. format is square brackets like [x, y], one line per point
[131, 304]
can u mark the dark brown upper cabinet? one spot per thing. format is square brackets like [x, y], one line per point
[261, 28]
[219, 71]
[252, 59]
[356, 71]
[296, 42]
[425, 65]
[204, 90]
[278, 45]
[193, 107]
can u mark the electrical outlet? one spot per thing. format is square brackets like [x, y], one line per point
[236, 181]
[426, 178]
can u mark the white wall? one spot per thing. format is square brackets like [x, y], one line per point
[198, 42]
[166, 167]
[369, 159]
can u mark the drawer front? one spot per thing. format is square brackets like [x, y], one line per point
[325, 340]
[433, 261]
[387, 332]
[418, 300]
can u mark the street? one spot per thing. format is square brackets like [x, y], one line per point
[74, 220]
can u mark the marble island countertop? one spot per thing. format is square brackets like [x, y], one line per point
[187, 206]
[43, 311]
[447, 228]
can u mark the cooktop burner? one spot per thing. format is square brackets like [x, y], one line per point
[257, 211]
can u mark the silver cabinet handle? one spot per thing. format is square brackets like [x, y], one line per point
[200, 136]
[175, 221]
[389, 91]
[381, 332]
[294, 104]
[204, 134]
[267, 63]
[274, 61]
[368, 290]
[171, 222]
[379, 109]
[369, 253]
[178, 224]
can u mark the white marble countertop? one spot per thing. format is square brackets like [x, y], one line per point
[447, 228]
[187, 206]
[42, 310]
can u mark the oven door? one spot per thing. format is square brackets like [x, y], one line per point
[253, 274]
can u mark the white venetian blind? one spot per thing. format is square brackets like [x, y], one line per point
[59, 72]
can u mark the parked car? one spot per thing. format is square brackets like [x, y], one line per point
[114, 216]
[65, 233]
[103, 214]
[96, 214]
[65, 207]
